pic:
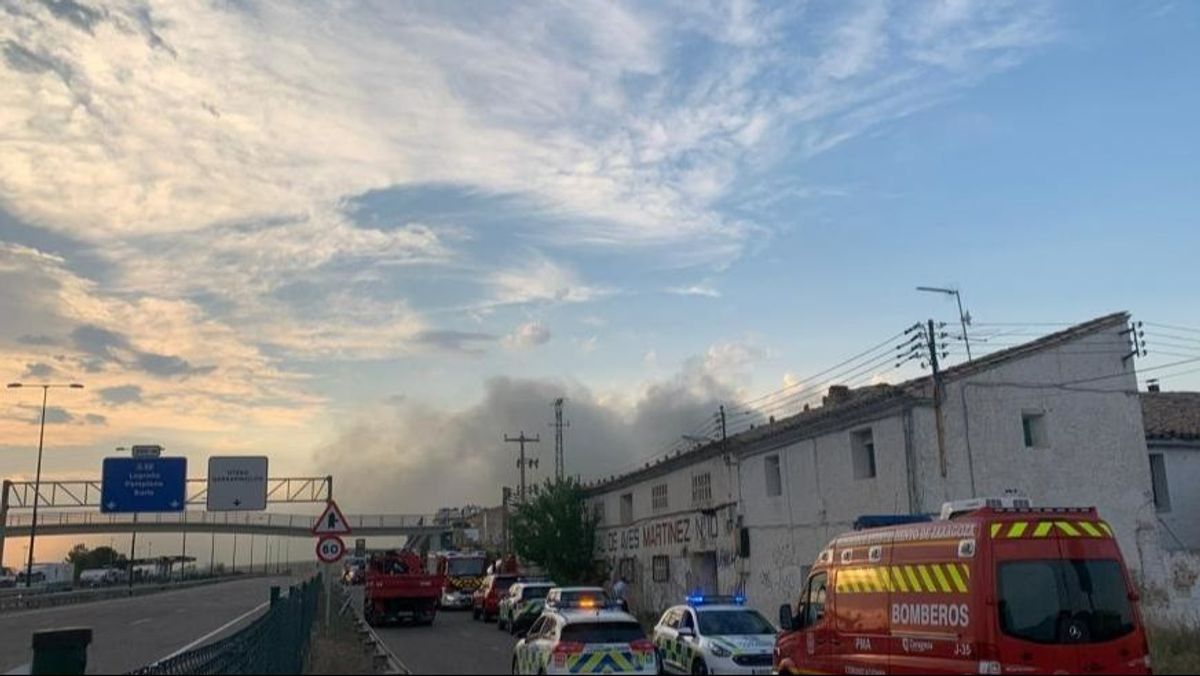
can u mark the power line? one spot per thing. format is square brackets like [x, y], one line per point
[1173, 327]
[868, 351]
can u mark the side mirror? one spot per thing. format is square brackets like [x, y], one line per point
[686, 632]
[785, 617]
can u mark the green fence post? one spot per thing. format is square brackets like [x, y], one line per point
[60, 651]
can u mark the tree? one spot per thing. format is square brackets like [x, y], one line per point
[555, 531]
[101, 557]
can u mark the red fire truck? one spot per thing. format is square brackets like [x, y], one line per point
[463, 573]
[399, 587]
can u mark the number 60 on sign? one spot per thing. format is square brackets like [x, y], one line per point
[330, 549]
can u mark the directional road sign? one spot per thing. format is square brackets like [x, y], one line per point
[330, 549]
[237, 483]
[143, 485]
[331, 521]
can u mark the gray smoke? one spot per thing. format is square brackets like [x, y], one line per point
[417, 458]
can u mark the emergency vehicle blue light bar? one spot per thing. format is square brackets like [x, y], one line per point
[702, 600]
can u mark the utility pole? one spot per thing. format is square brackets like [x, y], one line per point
[931, 337]
[522, 462]
[505, 498]
[560, 463]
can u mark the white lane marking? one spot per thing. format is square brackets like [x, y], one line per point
[214, 632]
[119, 600]
[144, 620]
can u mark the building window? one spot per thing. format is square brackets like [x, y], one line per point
[658, 497]
[774, 478]
[862, 447]
[661, 570]
[598, 512]
[626, 568]
[1158, 480]
[626, 509]
[1034, 427]
[701, 488]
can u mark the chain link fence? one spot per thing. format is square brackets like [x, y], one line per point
[277, 642]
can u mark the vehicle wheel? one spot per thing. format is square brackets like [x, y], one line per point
[699, 667]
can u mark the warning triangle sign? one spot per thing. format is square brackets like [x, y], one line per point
[331, 521]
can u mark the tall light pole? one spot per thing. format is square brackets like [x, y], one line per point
[37, 480]
[963, 317]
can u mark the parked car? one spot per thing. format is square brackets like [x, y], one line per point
[521, 606]
[486, 600]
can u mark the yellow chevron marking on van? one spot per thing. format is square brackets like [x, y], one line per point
[898, 579]
[929, 585]
[1043, 529]
[1090, 529]
[996, 529]
[966, 572]
[941, 578]
[1104, 526]
[886, 580]
[1018, 529]
[956, 578]
[912, 579]
[873, 580]
[852, 583]
[1067, 528]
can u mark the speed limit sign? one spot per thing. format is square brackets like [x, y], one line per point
[330, 549]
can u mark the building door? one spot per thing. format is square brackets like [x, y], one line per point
[704, 572]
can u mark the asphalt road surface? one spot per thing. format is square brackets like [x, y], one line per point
[133, 632]
[455, 644]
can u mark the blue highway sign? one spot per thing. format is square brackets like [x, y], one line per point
[143, 485]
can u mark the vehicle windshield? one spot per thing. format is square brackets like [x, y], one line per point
[1064, 601]
[465, 567]
[602, 632]
[733, 623]
[501, 584]
[531, 593]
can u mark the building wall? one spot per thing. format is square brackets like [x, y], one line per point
[821, 499]
[691, 536]
[1094, 454]
[1095, 450]
[1182, 522]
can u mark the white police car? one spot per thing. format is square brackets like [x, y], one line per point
[587, 638]
[715, 635]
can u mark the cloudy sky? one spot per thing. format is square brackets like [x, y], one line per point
[372, 238]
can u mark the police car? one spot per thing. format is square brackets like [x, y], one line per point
[715, 635]
[585, 638]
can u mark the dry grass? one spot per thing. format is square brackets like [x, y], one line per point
[1174, 649]
[336, 649]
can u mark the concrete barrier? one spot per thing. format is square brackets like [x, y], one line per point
[30, 601]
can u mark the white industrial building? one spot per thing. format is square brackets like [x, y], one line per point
[1058, 419]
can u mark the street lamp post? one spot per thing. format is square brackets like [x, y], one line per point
[963, 317]
[37, 480]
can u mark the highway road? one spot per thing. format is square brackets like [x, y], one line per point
[455, 644]
[133, 632]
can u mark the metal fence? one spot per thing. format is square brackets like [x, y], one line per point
[276, 643]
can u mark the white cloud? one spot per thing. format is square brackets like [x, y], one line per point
[540, 280]
[695, 290]
[529, 334]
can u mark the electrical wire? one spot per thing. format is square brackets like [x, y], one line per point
[1173, 327]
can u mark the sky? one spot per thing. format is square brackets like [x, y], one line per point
[371, 239]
